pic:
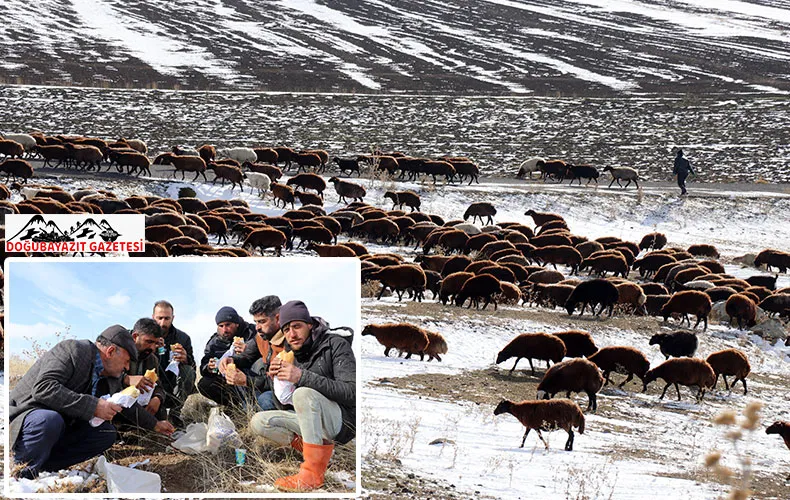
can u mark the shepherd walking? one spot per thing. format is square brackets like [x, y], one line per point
[681, 170]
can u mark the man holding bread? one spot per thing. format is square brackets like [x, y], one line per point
[322, 372]
[232, 332]
[51, 406]
[178, 346]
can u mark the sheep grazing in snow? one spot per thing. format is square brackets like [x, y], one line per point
[656, 241]
[400, 198]
[241, 155]
[259, 181]
[541, 346]
[703, 250]
[778, 303]
[402, 336]
[541, 218]
[624, 360]
[401, 278]
[480, 210]
[283, 193]
[689, 302]
[573, 375]
[481, 287]
[742, 309]
[27, 141]
[308, 181]
[528, 166]
[577, 343]
[623, 173]
[228, 172]
[17, 169]
[768, 282]
[679, 343]
[594, 292]
[545, 415]
[266, 238]
[184, 164]
[331, 250]
[730, 362]
[347, 189]
[682, 371]
[773, 258]
[451, 285]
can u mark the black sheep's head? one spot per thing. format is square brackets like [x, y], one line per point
[649, 377]
[570, 307]
[774, 428]
[367, 331]
[502, 407]
[656, 339]
[502, 356]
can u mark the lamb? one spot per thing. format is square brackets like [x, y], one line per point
[778, 303]
[348, 189]
[259, 181]
[593, 292]
[573, 375]
[402, 336]
[539, 346]
[730, 362]
[229, 172]
[623, 173]
[703, 250]
[266, 238]
[479, 287]
[621, 359]
[741, 308]
[241, 155]
[577, 343]
[545, 415]
[689, 302]
[773, 258]
[656, 241]
[400, 198]
[436, 345]
[678, 344]
[528, 166]
[283, 193]
[682, 371]
[480, 209]
[16, 168]
[401, 278]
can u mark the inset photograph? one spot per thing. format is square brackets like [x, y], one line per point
[144, 376]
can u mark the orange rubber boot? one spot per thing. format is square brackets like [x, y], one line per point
[296, 443]
[311, 472]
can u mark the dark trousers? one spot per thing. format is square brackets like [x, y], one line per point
[215, 388]
[47, 443]
[682, 181]
[177, 389]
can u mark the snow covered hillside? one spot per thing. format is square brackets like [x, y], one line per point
[580, 47]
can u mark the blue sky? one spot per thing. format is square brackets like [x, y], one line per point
[47, 295]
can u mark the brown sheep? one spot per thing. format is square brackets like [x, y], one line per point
[781, 428]
[624, 360]
[478, 241]
[743, 309]
[606, 263]
[718, 293]
[545, 276]
[285, 154]
[308, 181]
[432, 262]
[593, 292]
[16, 168]
[358, 248]
[541, 346]
[402, 336]
[162, 233]
[377, 229]
[331, 250]
[573, 375]
[453, 241]
[480, 209]
[10, 149]
[494, 246]
[730, 362]
[559, 254]
[306, 161]
[545, 415]
[703, 250]
[266, 155]
[588, 247]
[184, 164]
[282, 193]
[451, 285]
[382, 260]
[654, 289]
[229, 172]
[434, 168]
[652, 262]
[274, 173]
[655, 241]
[632, 297]
[773, 258]
[196, 233]
[137, 162]
[309, 198]
[347, 189]
[689, 302]
[577, 343]
[266, 238]
[549, 295]
[401, 278]
[682, 371]
[483, 286]
[778, 303]
[551, 239]
[511, 294]
[542, 218]
[313, 234]
[400, 198]
[499, 272]
[54, 152]
[436, 345]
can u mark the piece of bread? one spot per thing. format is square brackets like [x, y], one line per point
[230, 369]
[173, 346]
[131, 391]
[237, 340]
[288, 356]
[151, 375]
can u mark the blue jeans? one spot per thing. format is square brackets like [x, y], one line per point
[266, 401]
[47, 443]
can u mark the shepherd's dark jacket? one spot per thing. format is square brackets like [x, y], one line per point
[217, 346]
[60, 380]
[176, 336]
[329, 367]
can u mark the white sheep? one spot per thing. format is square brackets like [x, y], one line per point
[137, 145]
[241, 155]
[528, 166]
[29, 193]
[623, 173]
[260, 181]
[26, 140]
[469, 229]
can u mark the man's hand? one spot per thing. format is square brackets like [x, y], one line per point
[223, 363]
[289, 372]
[212, 363]
[238, 347]
[180, 353]
[164, 427]
[153, 406]
[142, 383]
[106, 410]
[237, 378]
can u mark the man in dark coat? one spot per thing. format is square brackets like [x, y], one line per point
[681, 170]
[213, 385]
[324, 402]
[253, 362]
[146, 334]
[176, 387]
[51, 406]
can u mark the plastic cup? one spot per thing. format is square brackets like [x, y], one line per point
[241, 456]
[160, 350]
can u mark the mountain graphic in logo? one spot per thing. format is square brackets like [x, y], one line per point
[40, 230]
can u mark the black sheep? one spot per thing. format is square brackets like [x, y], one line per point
[593, 292]
[679, 343]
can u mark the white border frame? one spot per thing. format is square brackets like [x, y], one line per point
[356, 348]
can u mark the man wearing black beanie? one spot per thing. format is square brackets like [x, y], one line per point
[324, 402]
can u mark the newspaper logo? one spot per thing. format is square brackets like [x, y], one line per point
[70, 233]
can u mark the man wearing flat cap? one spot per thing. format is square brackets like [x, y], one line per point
[324, 402]
[213, 384]
[51, 406]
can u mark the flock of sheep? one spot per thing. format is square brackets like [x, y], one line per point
[456, 260]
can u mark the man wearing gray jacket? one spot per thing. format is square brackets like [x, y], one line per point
[51, 406]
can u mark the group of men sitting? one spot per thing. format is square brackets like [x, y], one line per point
[59, 418]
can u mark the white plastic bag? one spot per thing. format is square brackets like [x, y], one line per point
[194, 439]
[284, 390]
[221, 431]
[145, 396]
[126, 480]
[118, 398]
